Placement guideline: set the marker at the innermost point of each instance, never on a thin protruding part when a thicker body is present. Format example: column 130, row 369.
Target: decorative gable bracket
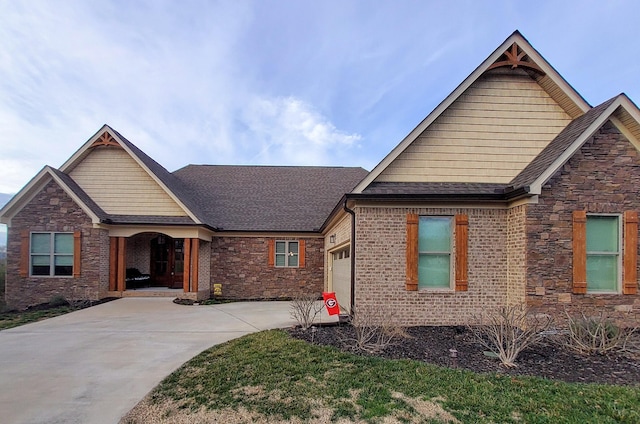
column 514, row 57
column 105, row 140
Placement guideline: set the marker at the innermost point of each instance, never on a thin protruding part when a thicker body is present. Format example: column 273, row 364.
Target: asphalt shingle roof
column 433, row 188
column 267, row 198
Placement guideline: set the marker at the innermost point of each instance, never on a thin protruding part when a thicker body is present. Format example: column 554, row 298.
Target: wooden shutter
column 579, row 252
column 272, row 253
column 412, row 252
column 462, row 247
column 630, row 284
column 301, row 254
column 77, row 257
column 24, row 253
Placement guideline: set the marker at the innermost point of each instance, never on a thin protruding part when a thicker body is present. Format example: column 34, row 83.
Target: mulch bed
column 549, row 360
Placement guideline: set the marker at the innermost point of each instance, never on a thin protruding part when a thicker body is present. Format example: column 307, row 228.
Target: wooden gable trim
column 514, row 57
column 411, row 283
column 579, row 252
column 105, row 140
column 630, row 254
column 462, row 248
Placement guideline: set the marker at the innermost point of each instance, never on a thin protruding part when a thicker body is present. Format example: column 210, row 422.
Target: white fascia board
column 517, row 38
column 536, row 187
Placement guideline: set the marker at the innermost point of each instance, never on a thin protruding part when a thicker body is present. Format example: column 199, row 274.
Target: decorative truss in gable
column 515, row 57
column 105, row 140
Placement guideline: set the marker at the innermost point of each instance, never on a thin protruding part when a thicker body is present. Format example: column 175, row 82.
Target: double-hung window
column 603, row 253
column 287, row 254
column 434, row 252
column 51, row 254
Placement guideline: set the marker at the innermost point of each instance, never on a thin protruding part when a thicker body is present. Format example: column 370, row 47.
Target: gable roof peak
column 551, row 81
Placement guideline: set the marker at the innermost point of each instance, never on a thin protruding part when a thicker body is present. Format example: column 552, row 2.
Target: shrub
column 596, row 334
column 375, row 329
column 508, row 330
column 305, row 308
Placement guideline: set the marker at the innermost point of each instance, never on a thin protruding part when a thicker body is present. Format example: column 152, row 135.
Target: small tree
column 375, row 329
column 508, row 330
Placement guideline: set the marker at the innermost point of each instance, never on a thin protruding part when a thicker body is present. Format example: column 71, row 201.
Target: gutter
column 353, row 257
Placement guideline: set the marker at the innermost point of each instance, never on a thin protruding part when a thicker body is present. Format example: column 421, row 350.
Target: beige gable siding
column 120, row 186
column 489, row 134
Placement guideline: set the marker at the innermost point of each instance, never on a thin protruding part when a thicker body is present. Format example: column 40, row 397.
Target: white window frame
column 619, row 264
column 287, row 253
column 450, row 287
column 52, row 254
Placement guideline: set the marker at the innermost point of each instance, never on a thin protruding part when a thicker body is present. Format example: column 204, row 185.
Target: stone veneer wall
column 240, row 264
column 204, row 270
column 381, row 263
column 603, row 177
column 53, row 210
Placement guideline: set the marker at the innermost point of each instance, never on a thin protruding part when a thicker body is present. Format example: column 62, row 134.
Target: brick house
column 514, row 189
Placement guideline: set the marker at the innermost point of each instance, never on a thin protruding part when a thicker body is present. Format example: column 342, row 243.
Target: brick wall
column 516, row 254
column 240, row 264
column 381, row 262
column 53, row 210
column 603, row 177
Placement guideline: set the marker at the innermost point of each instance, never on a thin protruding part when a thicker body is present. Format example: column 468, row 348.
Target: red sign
column 331, row 303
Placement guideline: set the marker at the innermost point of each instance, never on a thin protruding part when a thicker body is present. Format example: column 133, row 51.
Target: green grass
column 279, row 377
column 14, row 319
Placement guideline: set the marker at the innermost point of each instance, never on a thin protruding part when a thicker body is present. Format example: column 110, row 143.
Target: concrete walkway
column 94, row 365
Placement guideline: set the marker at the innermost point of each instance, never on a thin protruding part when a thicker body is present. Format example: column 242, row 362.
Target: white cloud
column 289, row 131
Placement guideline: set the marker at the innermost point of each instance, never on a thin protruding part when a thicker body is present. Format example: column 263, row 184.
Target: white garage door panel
column 342, row 282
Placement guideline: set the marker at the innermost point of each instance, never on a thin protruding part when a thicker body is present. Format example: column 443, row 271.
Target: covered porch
column 159, row 262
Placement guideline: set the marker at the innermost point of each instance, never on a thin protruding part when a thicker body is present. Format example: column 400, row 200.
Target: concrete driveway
column 94, row 365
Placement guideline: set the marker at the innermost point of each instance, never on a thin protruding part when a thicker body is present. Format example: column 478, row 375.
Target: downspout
column 353, row 257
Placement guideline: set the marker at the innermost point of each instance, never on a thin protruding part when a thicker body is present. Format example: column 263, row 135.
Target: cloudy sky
column 287, row 82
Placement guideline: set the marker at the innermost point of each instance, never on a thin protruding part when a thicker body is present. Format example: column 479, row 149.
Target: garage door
column 341, row 278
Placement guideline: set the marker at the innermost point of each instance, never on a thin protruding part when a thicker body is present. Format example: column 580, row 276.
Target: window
column 434, row 252
column 287, row 254
column 51, row 254
column 603, row 253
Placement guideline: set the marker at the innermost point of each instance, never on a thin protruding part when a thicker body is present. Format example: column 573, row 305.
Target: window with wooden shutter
column 462, row 236
column 579, row 252
column 412, row 252
column 630, row 282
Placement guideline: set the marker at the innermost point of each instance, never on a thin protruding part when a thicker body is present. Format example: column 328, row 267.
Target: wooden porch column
column 194, row 268
column 187, row 265
column 113, row 263
column 121, row 263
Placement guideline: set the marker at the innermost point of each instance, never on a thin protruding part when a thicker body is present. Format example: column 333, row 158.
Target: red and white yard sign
column 331, row 303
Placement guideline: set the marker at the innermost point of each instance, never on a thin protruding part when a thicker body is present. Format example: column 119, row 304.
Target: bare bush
column 596, row 334
column 508, row 330
column 375, row 329
column 305, row 308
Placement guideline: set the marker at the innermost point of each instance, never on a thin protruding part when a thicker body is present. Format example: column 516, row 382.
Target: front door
column 167, row 261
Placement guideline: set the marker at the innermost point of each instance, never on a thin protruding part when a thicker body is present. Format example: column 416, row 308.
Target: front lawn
column 10, row 319
column 270, row 377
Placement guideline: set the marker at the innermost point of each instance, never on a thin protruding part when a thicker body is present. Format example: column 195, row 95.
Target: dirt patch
column 549, row 360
